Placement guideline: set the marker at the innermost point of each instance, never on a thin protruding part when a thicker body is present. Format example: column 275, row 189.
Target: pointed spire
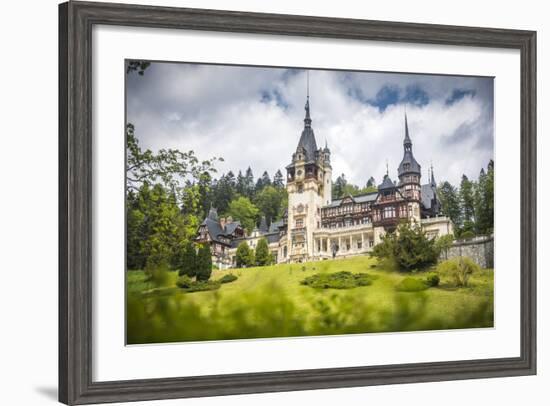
column 407, row 141
column 387, row 168
column 307, row 120
column 432, row 178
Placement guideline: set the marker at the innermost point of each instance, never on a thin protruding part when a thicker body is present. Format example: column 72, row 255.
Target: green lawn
column 271, row 302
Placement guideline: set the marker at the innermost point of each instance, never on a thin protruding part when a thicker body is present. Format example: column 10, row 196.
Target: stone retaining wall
column 479, row 249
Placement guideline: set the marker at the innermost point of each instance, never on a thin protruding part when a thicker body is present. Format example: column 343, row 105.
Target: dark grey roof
column 215, row 230
column 213, row 227
column 408, row 157
column 263, row 225
column 275, row 225
column 427, row 193
column 230, row 228
column 307, row 139
column 386, row 183
column 369, row 197
column 272, row 237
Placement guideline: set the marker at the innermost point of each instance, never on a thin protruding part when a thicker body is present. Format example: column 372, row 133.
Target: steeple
column 307, row 139
column 307, row 120
column 408, row 163
column 432, row 178
column 407, row 143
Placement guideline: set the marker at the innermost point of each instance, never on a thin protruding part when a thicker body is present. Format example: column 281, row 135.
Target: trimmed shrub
column 184, row 282
column 467, row 235
column 188, row 285
column 200, row 286
column 410, row 284
column 459, row 269
column 338, row 280
column 228, row 278
column 432, row 279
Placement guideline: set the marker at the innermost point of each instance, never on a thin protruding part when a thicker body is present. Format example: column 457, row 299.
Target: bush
column 228, row 278
column 410, row 284
column 200, row 286
column 459, row 269
column 338, row 280
column 188, row 285
column 432, row 279
column 184, row 282
column 467, row 235
column 407, row 249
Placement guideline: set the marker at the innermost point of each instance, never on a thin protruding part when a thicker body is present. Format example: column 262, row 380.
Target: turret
column 409, row 169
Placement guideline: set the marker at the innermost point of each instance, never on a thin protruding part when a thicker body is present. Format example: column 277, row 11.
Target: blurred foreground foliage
column 270, row 310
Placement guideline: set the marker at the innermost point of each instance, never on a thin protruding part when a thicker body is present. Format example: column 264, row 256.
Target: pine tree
column 371, row 182
column 240, row 186
column 450, row 203
column 204, row 263
column 467, row 203
column 278, row 180
column 262, row 255
column 339, row 187
column 249, row 183
column 187, row 260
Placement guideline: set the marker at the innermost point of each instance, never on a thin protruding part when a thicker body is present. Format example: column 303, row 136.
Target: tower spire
column 407, row 143
column 307, row 120
column 432, row 178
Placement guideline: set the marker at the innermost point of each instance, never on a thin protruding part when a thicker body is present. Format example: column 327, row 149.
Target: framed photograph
column 259, row 202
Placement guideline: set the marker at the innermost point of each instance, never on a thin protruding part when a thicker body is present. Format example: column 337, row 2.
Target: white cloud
column 254, row 117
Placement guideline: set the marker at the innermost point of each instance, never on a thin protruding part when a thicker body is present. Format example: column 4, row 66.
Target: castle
column 316, row 227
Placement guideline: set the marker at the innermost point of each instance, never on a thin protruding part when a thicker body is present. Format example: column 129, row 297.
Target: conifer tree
column 263, row 256
column 204, row 263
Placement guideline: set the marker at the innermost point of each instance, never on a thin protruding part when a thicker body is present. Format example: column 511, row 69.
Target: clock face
column 300, row 208
column 299, row 172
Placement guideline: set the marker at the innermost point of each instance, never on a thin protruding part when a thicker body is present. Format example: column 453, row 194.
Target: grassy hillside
column 271, row 302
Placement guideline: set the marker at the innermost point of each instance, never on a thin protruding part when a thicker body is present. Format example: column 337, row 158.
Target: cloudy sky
column 253, row 117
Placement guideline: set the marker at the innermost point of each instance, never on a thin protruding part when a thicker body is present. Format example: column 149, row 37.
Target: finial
column 307, row 73
column 387, row 168
column 326, row 143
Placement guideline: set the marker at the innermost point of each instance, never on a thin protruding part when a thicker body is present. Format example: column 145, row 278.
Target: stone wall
column 480, row 249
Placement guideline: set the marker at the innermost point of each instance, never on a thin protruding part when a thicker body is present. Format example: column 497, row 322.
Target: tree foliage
column 245, row 211
column 187, row 260
column 244, row 256
column 407, row 249
column 204, row 263
column 471, row 207
column 263, row 256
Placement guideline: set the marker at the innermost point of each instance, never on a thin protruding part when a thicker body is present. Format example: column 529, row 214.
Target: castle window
column 299, row 223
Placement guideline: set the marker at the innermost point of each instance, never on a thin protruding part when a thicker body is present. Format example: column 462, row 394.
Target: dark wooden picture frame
column 76, row 20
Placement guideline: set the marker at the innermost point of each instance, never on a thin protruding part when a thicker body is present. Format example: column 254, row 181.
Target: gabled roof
column 386, row 183
column 368, row 197
column 215, row 230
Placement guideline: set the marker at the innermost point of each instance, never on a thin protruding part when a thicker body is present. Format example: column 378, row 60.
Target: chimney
column 222, row 222
column 229, row 220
